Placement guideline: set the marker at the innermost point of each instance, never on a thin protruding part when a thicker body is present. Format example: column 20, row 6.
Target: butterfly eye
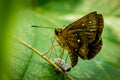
column 56, row 32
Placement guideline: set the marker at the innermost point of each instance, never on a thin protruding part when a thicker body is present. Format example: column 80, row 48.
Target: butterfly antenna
column 42, row 27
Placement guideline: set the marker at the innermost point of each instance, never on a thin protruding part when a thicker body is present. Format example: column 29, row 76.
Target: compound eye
column 56, row 32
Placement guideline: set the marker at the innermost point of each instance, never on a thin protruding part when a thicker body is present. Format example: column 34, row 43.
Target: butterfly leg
column 52, row 41
column 66, row 58
column 62, row 52
column 52, row 48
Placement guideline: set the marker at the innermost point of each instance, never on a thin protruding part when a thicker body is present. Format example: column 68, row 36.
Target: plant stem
column 43, row 56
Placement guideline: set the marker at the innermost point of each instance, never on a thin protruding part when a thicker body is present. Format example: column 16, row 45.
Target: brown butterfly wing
column 90, row 27
column 75, row 46
column 88, row 23
column 70, row 41
column 96, row 45
column 94, row 49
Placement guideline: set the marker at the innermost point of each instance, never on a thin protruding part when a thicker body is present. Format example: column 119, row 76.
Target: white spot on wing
column 78, row 40
column 76, row 34
column 90, row 22
column 76, row 50
column 83, row 24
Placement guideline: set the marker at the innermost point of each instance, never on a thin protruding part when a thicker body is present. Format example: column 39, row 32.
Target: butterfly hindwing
column 96, row 45
column 94, row 49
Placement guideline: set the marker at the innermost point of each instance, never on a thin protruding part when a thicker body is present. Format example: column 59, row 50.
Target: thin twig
column 43, row 56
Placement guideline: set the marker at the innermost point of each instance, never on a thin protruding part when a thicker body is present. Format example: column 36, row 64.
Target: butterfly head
column 58, row 31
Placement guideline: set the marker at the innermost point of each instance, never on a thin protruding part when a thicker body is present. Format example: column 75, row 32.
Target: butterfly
column 82, row 38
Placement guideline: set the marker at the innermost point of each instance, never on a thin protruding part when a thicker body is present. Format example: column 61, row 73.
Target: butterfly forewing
column 88, row 23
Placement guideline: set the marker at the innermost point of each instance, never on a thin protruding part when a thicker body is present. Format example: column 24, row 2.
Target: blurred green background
column 20, row 63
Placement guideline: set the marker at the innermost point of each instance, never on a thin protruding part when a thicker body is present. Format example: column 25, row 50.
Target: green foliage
column 24, row 64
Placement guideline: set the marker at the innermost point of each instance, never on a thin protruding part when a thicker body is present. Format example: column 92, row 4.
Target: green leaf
column 27, row 65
